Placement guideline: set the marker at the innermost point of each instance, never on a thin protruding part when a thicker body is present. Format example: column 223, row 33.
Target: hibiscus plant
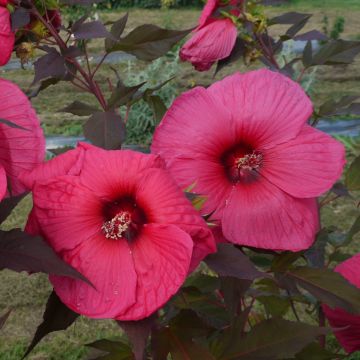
column 208, row 245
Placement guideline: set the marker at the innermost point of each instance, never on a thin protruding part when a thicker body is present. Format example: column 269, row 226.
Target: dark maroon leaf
column 105, row 129
column 158, row 107
column 11, row 124
column 237, row 52
column 80, row 2
column 355, row 228
column 273, row 339
column 90, row 30
column 72, row 52
column 149, row 42
column 289, row 18
column 288, row 69
column 42, row 85
column 337, row 52
column 229, row 261
column 116, row 31
column 138, row 333
column 328, row 287
column 340, row 189
column 352, row 176
column 3, row 318
column 311, row 35
column 294, row 29
column 51, row 65
column 315, row 255
column 233, row 290
column 332, row 107
column 284, row 260
column 122, row 95
column 56, row 317
column 19, row 18
column 80, row 109
column 115, row 350
column 22, row 252
column 315, row 351
column 8, row 204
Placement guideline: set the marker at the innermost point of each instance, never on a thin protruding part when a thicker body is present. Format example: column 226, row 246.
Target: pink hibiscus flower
column 119, row 219
column 20, row 148
column 245, row 144
column 215, row 36
column 349, row 336
column 7, row 37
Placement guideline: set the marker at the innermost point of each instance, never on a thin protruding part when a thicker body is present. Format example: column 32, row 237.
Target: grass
column 26, row 295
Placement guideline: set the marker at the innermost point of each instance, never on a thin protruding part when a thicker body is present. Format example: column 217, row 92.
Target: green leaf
column 149, row 42
column 352, row 176
column 116, row 350
column 273, row 339
column 79, row 108
column 328, row 287
column 56, row 317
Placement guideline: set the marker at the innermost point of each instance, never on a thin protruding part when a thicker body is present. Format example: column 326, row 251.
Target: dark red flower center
column 241, row 163
column 123, row 219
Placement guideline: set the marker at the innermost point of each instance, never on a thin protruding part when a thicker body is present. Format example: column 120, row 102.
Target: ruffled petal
column 268, row 108
column 67, row 213
column 306, row 166
column 164, row 203
column 349, row 335
column 258, row 214
column 7, row 37
column 3, row 183
column 162, row 257
column 109, row 265
column 209, row 44
column 207, row 11
column 19, row 149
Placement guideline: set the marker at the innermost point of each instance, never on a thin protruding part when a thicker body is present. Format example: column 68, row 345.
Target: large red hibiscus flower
column 119, row 219
column 246, row 145
column 22, row 144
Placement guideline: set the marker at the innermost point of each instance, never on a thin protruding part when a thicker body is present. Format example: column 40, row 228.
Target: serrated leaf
column 352, row 176
column 149, row 42
column 90, row 30
column 138, row 333
column 22, row 252
column 229, row 261
column 328, row 287
column 116, row 31
column 273, row 339
column 106, row 130
column 56, row 317
column 79, row 108
column 115, row 350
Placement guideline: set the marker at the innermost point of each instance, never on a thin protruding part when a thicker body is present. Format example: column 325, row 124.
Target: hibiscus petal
column 165, row 203
column 19, row 149
column 3, row 183
column 306, row 166
column 161, row 256
column 109, row 265
column 67, row 213
column 196, row 126
column 101, row 170
column 259, row 214
column 7, row 37
column 268, row 108
column 349, row 336
column 207, row 11
column 209, row 44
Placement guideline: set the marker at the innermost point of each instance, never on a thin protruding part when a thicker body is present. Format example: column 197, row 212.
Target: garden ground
column 26, row 295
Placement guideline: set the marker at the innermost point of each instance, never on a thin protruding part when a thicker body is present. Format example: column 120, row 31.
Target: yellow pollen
column 249, row 161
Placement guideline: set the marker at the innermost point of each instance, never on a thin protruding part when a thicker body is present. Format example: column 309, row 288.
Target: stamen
column 250, row 161
column 117, row 226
